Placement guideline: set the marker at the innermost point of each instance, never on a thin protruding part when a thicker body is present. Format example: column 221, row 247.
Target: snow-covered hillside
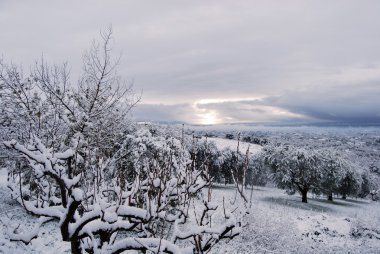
column 223, row 143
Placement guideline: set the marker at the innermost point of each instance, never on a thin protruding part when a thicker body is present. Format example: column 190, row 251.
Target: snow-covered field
column 279, row 223
column 222, row 143
column 276, row 223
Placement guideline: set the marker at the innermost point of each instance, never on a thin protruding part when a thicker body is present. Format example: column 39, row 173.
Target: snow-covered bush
column 148, row 213
column 206, row 155
column 227, row 161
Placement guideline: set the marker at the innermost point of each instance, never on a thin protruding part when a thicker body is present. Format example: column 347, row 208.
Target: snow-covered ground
column 13, row 218
column 276, row 223
column 3, row 176
column 223, row 143
column 279, row 223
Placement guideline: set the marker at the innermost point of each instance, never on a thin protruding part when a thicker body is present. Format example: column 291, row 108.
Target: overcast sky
column 208, row 62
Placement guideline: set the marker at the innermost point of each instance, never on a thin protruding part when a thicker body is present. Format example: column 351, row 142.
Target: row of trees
column 78, row 160
column 224, row 164
column 324, row 171
column 297, row 169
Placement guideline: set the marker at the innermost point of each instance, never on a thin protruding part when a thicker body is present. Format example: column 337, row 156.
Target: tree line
column 324, row 171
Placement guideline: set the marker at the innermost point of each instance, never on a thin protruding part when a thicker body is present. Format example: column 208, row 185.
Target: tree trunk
column 68, row 218
column 75, row 247
column 330, row 197
column 304, row 195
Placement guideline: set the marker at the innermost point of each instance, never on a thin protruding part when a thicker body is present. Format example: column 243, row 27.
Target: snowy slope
column 222, row 143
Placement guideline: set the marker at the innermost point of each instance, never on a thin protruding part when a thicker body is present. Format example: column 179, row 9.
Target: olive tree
column 294, row 169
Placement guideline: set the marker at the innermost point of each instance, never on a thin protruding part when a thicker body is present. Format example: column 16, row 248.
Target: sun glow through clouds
column 217, row 111
column 210, row 116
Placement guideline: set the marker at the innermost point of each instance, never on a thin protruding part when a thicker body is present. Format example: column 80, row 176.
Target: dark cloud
column 357, row 103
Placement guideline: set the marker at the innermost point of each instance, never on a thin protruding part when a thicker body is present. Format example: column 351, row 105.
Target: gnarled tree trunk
column 304, row 195
column 330, row 197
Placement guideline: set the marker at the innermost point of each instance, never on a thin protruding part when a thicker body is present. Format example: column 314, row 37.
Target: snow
column 130, row 211
column 279, row 223
column 153, row 244
column 26, row 237
column 156, row 182
column 77, row 194
column 68, row 153
column 276, row 223
column 324, row 224
column 231, row 144
column 3, row 176
column 110, row 217
column 15, row 220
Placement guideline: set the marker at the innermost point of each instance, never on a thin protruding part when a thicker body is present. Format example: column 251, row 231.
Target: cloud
column 163, row 113
column 356, row 103
column 215, row 113
column 309, row 60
